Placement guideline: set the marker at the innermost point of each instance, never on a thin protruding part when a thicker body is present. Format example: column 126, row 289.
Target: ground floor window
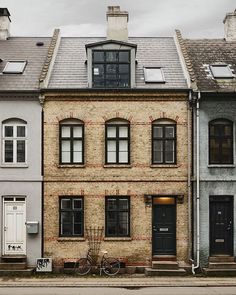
column 71, row 216
column 117, row 216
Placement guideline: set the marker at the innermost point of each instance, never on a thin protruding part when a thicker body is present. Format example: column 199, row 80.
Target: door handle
column 5, row 228
column 154, row 228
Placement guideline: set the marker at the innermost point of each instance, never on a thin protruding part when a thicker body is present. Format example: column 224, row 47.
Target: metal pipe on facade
column 197, row 187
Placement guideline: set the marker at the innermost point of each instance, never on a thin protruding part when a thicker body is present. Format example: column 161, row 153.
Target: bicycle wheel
column 82, row 266
column 111, row 266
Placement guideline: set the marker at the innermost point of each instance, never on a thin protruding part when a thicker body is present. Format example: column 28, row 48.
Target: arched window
column 71, row 142
column 163, row 142
column 14, row 141
column 221, row 141
column 117, row 142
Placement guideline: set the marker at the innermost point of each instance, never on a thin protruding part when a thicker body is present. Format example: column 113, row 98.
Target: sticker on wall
column 219, row 212
column 96, row 71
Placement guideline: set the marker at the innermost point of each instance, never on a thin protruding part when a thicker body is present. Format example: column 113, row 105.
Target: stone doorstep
column 222, row 265
column 17, row 272
column 221, row 258
column 165, row 272
column 165, row 265
column 219, row 272
column 13, row 266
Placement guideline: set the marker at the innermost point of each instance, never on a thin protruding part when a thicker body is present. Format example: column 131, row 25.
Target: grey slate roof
column 23, row 48
column 205, row 52
column 70, row 70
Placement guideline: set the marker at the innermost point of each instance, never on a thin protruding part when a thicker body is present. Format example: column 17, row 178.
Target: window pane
column 111, row 204
column 111, row 56
column 111, row 69
column 123, row 204
column 123, row 145
column 124, row 69
column 65, row 203
column 20, row 131
column 77, row 204
column 8, row 131
column 65, row 155
column 169, row 132
column 123, row 226
column 66, row 217
column 111, row 131
column 124, row 80
column 98, row 56
column 77, row 131
column 214, row 151
column 157, row 131
column 66, row 229
column 169, row 157
column 123, row 131
column 65, row 145
column 111, row 217
column 169, row 145
column 77, row 217
column 124, row 56
column 221, row 71
column 77, row 157
column 158, row 145
column 226, row 151
column 65, row 131
column 14, row 67
column 111, row 229
column 111, row 157
column 20, row 151
column 111, row 146
column 9, row 151
column 98, row 71
column 158, row 152
column 123, row 157
column 228, row 130
column 78, row 229
column 77, row 145
column 153, row 75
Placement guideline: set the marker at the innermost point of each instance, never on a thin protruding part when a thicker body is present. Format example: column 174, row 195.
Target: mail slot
column 163, row 229
column 219, row 240
column 32, row 227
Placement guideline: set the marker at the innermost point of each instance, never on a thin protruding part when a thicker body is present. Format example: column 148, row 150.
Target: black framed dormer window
column 163, row 143
column 111, row 68
column 71, row 143
column 221, row 141
column 117, row 146
column 117, row 216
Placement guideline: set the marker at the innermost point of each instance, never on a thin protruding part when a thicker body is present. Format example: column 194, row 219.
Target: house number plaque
column 164, row 229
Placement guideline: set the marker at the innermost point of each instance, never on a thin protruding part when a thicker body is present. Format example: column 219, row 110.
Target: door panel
column 221, row 226
column 164, row 229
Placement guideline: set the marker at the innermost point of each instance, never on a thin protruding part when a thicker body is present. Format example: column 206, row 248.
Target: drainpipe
column 198, row 186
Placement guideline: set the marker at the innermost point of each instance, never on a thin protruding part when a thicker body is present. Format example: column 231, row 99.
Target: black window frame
column 221, row 138
column 71, row 139
column 105, row 62
column 71, row 198
column 117, row 198
column 117, row 139
column 163, row 139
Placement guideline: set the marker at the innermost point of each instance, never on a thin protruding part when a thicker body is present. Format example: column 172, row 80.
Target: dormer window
column 221, row 71
column 111, row 68
column 14, row 67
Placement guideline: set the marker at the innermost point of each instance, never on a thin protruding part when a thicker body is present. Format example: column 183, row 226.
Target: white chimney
column 230, row 26
column 117, row 24
column 4, row 24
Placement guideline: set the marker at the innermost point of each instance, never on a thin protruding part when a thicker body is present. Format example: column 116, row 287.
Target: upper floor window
column 163, row 142
column 111, row 68
column 71, row 216
column 14, row 141
column 14, row 67
column 154, row 75
column 221, row 142
column 117, row 142
column 71, row 142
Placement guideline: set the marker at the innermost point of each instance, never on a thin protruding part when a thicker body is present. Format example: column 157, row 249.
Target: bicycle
column 109, row 265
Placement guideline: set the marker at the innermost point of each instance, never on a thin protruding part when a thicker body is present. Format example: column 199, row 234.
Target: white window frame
column 14, row 138
column 23, row 62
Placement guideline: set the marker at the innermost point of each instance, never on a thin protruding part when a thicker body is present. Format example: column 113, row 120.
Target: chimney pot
column 230, row 26
column 4, row 23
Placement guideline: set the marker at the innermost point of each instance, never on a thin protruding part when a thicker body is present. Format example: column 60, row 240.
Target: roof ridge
column 186, row 56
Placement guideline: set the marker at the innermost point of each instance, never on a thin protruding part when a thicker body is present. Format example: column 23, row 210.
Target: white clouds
column 83, row 30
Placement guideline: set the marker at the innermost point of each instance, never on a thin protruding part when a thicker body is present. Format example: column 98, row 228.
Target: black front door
column 221, row 226
column 164, row 226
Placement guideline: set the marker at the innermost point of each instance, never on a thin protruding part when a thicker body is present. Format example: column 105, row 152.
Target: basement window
column 14, row 67
column 221, row 71
column 154, row 75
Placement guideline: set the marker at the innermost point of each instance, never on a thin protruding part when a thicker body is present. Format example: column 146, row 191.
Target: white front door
column 14, row 227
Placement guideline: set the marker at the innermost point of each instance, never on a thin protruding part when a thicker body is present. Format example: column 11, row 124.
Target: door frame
column 221, row 198
column 15, row 200
column 175, row 205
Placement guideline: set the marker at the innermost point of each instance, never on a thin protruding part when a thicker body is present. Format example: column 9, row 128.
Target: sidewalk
column 119, row 281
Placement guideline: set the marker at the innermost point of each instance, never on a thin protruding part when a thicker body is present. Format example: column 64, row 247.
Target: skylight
column 14, row 67
column 221, row 71
column 153, row 75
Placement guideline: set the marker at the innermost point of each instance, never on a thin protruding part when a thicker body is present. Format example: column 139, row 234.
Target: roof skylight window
column 14, row 67
column 153, row 75
column 221, row 71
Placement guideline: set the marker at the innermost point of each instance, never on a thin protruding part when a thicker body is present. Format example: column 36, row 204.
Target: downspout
column 197, row 187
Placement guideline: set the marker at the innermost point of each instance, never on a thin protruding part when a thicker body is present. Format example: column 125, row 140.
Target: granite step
column 219, row 272
column 165, row 272
column 221, row 259
column 165, row 265
column 222, row 265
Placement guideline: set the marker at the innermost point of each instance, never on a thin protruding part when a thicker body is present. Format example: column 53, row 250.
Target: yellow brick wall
column 94, row 181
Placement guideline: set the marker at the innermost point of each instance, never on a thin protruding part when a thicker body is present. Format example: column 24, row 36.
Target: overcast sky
column 195, row 18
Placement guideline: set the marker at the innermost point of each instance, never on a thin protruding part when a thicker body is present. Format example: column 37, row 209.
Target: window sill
column 117, row 166
column 124, row 239
column 70, row 239
column 164, row 166
column 221, row 166
column 14, row 165
column 71, row 166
